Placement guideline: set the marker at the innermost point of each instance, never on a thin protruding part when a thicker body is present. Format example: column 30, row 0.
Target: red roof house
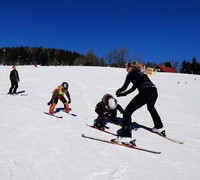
column 165, row 69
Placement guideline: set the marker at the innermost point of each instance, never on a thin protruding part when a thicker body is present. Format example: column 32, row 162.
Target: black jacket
column 101, row 108
column 14, row 76
column 139, row 80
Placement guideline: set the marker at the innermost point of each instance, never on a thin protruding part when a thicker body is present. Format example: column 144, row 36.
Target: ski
column 62, row 110
column 53, row 115
column 70, row 113
column 162, row 134
column 102, row 130
column 15, row 94
column 22, row 94
column 124, row 145
column 19, row 92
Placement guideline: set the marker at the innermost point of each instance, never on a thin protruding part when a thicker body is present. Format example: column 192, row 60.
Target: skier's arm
column 101, row 110
column 11, row 75
column 124, row 87
column 54, row 95
column 68, row 96
column 133, row 88
column 18, row 76
column 120, row 109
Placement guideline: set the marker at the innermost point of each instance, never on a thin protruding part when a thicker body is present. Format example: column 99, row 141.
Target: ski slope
column 35, row 146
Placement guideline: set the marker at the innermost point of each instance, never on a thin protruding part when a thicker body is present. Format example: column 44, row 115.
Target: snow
column 35, row 146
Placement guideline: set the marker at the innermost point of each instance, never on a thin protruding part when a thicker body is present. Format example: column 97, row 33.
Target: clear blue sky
column 155, row 30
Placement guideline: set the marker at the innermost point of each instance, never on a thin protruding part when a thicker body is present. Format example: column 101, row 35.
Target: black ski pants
column 63, row 100
column 14, row 86
column 110, row 114
column 146, row 96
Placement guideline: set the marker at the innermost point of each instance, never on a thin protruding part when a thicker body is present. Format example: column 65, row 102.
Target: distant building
column 165, row 69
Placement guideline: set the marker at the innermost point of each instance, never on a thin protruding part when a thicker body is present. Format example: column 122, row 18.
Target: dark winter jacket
column 139, row 80
column 102, row 107
column 14, row 76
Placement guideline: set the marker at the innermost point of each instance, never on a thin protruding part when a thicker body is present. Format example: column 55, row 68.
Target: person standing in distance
column 147, row 95
column 14, row 79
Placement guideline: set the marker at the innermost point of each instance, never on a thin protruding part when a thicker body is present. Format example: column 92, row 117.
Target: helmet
column 112, row 103
column 65, row 85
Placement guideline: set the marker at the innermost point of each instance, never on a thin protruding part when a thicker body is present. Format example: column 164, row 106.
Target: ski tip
column 53, row 115
column 89, row 125
column 157, row 152
column 178, row 142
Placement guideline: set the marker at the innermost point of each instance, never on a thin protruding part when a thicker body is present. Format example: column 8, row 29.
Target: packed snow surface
column 35, row 146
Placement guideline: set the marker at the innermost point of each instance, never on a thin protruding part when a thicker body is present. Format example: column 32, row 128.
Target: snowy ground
column 35, row 146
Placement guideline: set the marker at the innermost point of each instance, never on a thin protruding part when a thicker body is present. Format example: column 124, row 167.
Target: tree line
column 190, row 67
column 116, row 58
column 37, row 55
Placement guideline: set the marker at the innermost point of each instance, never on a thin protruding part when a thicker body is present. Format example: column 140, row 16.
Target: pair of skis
column 19, row 93
column 116, row 143
column 53, row 115
column 56, row 116
column 162, row 134
column 128, row 145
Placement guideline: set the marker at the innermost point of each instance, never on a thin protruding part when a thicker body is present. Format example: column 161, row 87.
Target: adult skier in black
column 14, row 78
column 147, row 95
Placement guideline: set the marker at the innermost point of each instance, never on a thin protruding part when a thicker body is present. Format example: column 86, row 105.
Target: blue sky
column 155, row 30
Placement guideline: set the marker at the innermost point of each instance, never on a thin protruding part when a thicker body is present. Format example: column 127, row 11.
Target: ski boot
column 159, row 131
column 124, row 140
column 98, row 126
column 51, row 112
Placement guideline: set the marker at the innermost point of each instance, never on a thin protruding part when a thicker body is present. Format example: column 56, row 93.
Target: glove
column 69, row 101
column 117, row 92
column 49, row 103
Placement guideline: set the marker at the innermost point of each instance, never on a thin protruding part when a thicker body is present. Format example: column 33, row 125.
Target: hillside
column 35, row 146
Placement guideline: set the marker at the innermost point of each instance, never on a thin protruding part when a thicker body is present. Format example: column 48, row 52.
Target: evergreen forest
column 116, row 58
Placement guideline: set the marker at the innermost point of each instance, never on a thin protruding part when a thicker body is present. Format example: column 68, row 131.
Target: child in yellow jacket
column 58, row 93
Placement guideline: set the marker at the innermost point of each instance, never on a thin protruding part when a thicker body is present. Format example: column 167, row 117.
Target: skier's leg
column 53, row 105
column 113, row 116
column 66, row 105
column 98, row 123
column 152, row 97
column 15, row 87
column 137, row 102
column 11, row 88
